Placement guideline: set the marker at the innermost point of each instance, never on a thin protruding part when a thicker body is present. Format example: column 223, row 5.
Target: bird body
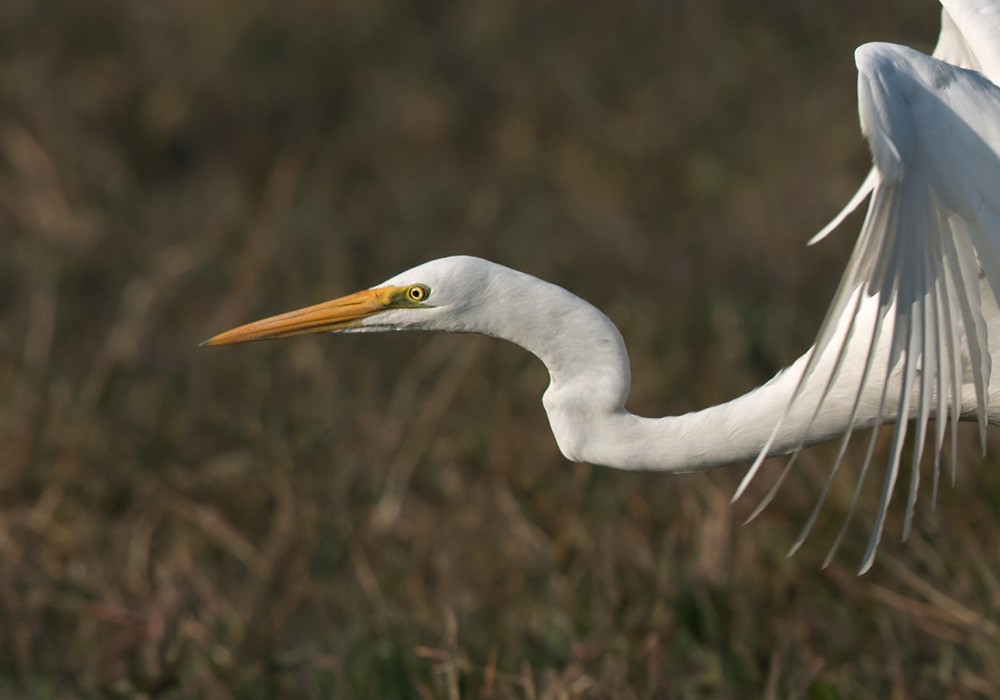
column 910, row 335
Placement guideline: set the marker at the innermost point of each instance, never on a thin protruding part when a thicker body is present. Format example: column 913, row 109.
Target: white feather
column 910, row 334
column 933, row 223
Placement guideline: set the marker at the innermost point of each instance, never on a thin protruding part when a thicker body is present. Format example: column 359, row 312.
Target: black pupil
column 417, row 293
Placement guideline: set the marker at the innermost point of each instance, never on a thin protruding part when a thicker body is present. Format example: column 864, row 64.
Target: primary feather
column 932, row 233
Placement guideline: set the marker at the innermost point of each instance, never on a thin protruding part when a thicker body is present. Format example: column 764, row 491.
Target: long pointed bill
column 346, row 312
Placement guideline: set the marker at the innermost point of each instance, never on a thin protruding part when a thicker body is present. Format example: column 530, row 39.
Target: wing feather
column 932, row 228
column 971, row 43
column 969, row 31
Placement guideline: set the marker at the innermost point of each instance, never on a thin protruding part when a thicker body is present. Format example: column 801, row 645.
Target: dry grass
column 389, row 517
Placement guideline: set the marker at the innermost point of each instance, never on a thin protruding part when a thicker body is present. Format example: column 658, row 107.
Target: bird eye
column 417, row 292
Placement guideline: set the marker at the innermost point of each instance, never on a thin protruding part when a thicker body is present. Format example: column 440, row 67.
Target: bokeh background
column 389, row 517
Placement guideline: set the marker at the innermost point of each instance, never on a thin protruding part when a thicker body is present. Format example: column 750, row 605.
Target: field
column 389, row 517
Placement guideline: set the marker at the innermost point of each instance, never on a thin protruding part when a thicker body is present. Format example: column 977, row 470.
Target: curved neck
column 589, row 371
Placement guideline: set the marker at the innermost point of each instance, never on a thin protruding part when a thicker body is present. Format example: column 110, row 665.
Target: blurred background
column 389, row 517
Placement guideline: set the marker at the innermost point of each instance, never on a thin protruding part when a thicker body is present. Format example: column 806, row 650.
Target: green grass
column 390, row 517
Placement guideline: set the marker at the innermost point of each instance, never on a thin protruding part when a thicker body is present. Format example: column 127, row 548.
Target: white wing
column 933, row 226
column 969, row 38
column 952, row 46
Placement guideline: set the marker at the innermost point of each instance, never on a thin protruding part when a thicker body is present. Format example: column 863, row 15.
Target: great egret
column 910, row 334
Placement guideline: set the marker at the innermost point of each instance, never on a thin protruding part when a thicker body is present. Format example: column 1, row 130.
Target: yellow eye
column 417, row 293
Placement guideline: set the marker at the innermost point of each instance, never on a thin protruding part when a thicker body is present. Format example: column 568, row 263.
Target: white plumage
column 910, row 335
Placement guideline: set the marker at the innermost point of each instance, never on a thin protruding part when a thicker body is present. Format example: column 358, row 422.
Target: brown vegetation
column 390, row 517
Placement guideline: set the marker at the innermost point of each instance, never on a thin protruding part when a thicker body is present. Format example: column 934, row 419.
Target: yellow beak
column 345, row 312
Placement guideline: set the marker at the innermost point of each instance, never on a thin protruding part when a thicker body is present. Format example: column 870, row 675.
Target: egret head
column 442, row 294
